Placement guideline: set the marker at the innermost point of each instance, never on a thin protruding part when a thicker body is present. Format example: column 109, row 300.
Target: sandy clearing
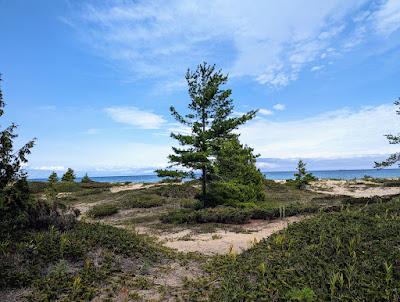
column 357, row 188
column 222, row 241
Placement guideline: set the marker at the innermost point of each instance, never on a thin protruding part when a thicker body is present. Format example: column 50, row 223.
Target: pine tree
column 86, row 179
column 210, row 120
column 68, row 176
column 14, row 189
column 302, row 177
column 236, row 177
column 53, row 178
column 393, row 140
column 11, row 161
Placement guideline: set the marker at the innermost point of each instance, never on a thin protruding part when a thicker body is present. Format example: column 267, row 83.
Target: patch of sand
column 222, row 241
column 359, row 188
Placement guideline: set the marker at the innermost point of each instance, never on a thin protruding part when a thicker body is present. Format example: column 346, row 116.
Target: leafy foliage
column 393, row 139
column 69, row 176
column 235, row 177
column 14, row 190
column 102, row 210
column 350, row 255
column 71, row 265
column 208, row 215
column 210, row 121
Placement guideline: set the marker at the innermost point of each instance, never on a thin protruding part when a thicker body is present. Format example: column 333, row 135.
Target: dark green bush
column 102, row 210
column 191, row 204
column 227, row 192
column 137, row 200
column 208, row 215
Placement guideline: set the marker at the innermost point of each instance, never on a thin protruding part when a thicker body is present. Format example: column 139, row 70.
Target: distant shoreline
column 275, row 175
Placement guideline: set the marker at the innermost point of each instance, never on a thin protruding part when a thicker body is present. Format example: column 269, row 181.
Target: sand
column 223, row 241
column 357, row 188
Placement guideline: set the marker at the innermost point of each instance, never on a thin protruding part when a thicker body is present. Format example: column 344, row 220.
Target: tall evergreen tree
column 53, row 178
column 69, row 175
column 210, row 120
column 393, row 140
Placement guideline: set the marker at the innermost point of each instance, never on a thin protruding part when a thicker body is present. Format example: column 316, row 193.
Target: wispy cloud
column 333, row 134
column 49, row 168
column 272, row 42
column 388, row 17
column 265, row 112
column 135, row 117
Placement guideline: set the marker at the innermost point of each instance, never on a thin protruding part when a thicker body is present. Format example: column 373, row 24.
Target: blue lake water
column 335, row 174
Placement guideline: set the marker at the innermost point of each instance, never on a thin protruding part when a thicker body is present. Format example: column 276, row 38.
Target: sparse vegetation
column 351, row 255
column 102, row 210
column 69, row 176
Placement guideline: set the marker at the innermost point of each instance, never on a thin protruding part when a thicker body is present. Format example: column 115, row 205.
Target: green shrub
column 191, row 204
column 137, row 200
column 228, row 192
column 37, row 186
column 102, row 210
column 184, row 190
column 350, row 255
column 208, row 215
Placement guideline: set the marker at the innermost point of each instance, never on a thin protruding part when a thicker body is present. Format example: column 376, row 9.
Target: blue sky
column 93, row 80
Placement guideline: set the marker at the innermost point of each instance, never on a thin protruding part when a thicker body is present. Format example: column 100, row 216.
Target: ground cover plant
column 351, row 255
column 74, row 264
column 102, row 210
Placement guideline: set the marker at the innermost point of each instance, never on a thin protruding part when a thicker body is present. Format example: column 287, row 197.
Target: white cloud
column 50, row 168
column 135, row 117
column 279, row 107
column 265, row 112
column 316, row 67
column 387, row 18
column 270, row 41
column 333, row 134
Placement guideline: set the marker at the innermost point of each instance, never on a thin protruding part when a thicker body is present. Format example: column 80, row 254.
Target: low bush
column 102, row 210
column 69, row 265
column 191, row 204
column 37, row 186
column 208, row 215
column 137, row 200
column 352, row 255
column 184, row 190
column 227, row 192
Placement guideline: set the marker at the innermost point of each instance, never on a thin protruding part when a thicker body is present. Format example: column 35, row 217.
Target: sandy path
column 222, row 241
column 357, row 188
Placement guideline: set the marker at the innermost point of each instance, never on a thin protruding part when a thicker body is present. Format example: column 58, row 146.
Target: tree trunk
column 204, row 182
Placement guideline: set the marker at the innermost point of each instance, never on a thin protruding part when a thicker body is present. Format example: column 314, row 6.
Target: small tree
column 53, row 178
column 14, row 190
column 86, row 179
column 210, row 121
column 68, row 176
column 393, row 140
column 302, row 177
